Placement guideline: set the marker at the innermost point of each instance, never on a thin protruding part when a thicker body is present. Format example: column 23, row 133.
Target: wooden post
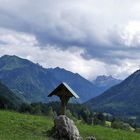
column 92, row 121
column 64, row 101
column 63, row 107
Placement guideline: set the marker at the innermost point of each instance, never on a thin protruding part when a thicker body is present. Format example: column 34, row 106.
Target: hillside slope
column 8, row 100
column 15, row 126
column 122, row 99
column 27, row 79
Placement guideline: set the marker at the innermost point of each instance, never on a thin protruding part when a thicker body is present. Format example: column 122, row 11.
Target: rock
column 91, row 138
column 66, row 129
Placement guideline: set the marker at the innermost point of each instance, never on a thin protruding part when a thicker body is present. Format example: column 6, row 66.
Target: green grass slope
column 104, row 133
column 15, row 126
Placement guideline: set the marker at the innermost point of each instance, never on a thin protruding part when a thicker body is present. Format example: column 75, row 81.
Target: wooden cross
column 64, row 92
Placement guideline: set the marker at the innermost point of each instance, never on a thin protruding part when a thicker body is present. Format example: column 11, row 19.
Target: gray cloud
column 107, row 30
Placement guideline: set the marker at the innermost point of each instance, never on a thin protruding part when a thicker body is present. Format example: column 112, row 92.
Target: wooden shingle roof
column 63, row 90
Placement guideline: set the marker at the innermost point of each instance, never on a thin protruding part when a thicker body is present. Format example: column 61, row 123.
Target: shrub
column 121, row 125
column 137, row 130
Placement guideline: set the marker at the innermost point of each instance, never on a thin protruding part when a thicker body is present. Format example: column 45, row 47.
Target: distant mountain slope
column 8, row 100
column 84, row 88
column 122, row 99
column 29, row 80
column 105, row 82
column 33, row 82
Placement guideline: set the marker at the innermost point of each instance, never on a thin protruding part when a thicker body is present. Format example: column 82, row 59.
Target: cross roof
column 63, row 90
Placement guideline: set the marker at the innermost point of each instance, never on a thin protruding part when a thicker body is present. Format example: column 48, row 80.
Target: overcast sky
column 89, row 37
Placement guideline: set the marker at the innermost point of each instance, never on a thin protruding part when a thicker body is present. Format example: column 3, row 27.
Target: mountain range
column 105, row 82
column 22, row 80
column 33, row 83
column 122, row 99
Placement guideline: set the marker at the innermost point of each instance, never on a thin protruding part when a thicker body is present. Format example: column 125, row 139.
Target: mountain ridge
column 105, row 82
column 122, row 99
column 34, row 82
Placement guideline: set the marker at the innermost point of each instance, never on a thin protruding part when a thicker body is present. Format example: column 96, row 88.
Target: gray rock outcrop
column 66, row 129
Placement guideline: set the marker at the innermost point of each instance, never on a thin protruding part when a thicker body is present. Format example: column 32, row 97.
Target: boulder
column 66, row 129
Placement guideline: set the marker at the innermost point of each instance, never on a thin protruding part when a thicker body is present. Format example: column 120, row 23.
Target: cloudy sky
column 89, row 37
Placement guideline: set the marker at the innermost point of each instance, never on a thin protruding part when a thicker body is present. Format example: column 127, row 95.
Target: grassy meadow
column 16, row 126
